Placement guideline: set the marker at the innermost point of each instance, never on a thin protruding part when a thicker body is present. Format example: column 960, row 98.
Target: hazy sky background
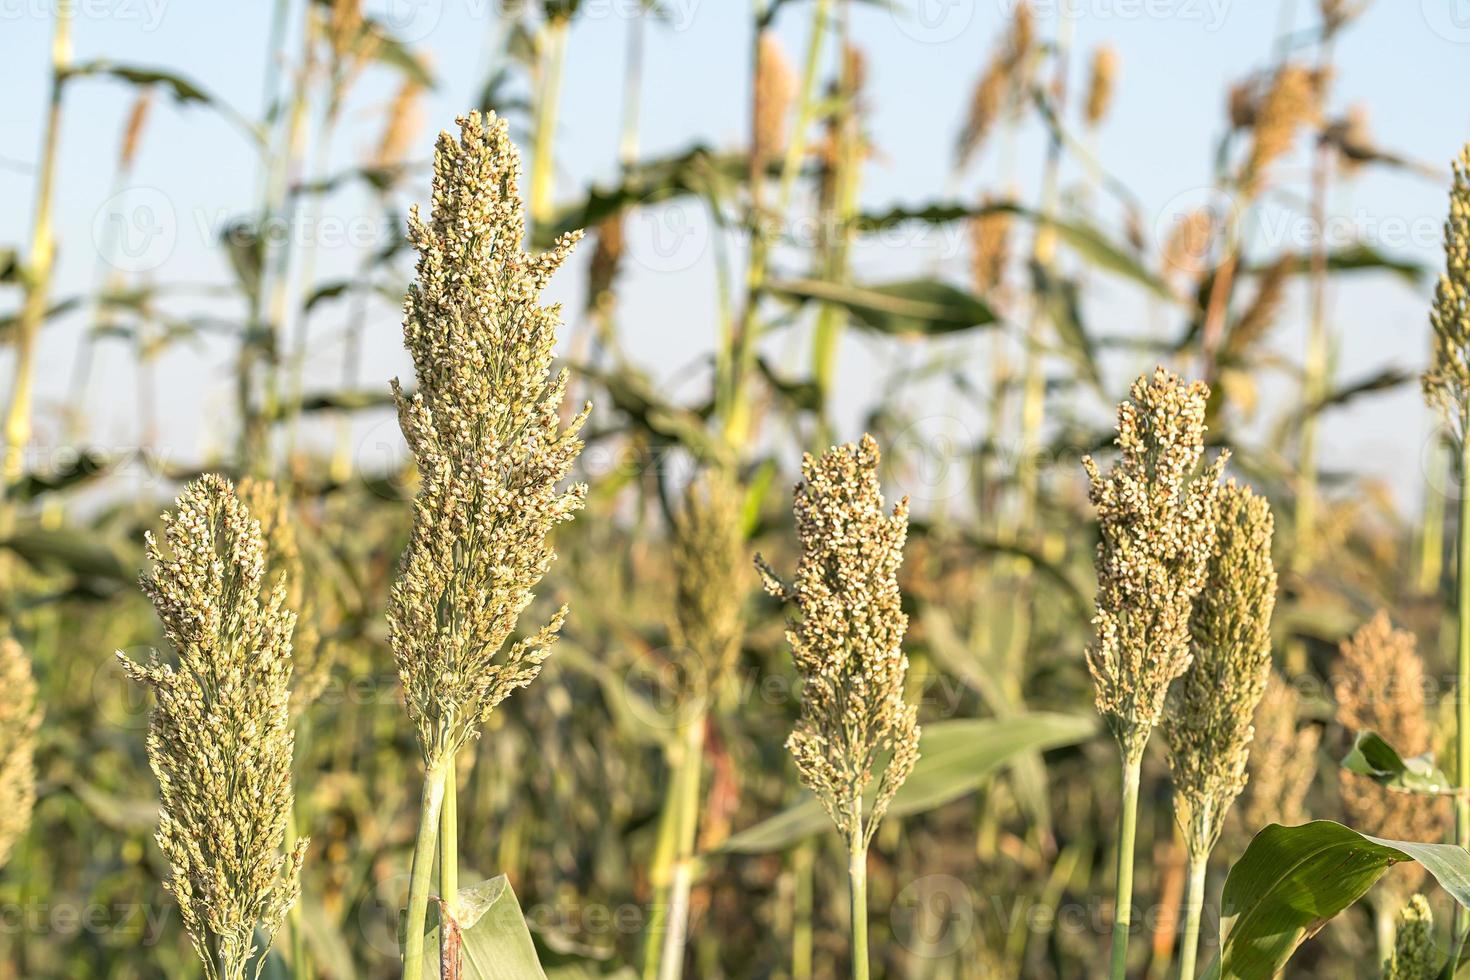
column 1407, row 62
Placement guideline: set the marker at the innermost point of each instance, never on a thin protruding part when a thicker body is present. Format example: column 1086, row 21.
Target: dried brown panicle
column 775, row 89
column 990, row 235
column 1157, row 520
column 1101, row 83
column 848, row 641
column 20, row 716
column 485, row 430
column 1208, row 727
column 1289, row 103
column 219, row 737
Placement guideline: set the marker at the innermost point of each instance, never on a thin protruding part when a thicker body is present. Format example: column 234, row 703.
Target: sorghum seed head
column 1414, row 956
column 219, row 737
column 485, row 430
column 709, row 568
column 1447, row 382
column 1157, row 521
column 848, row 640
column 20, row 716
column 1208, row 727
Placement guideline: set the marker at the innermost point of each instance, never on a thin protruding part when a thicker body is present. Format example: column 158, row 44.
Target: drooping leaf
column 955, row 757
column 1372, row 756
column 81, row 553
column 1090, row 243
column 184, row 90
column 1291, row 881
column 914, row 307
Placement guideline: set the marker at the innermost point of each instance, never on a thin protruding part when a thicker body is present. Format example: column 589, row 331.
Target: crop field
column 793, row 489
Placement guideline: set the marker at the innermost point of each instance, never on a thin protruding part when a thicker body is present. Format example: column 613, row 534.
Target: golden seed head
column 848, row 640
column 1209, row 726
column 1289, row 104
column 403, row 121
column 20, row 716
column 1379, row 686
column 1258, row 318
column 1101, row 83
column 1414, row 956
column 1157, row 521
column 1447, row 382
column 607, row 256
column 990, row 236
column 133, row 132
column 1006, row 75
column 485, row 429
column 775, row 90
column 709, row 567
column 219, row 737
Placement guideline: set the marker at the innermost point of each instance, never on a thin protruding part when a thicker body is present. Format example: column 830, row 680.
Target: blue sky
column 1407, row 62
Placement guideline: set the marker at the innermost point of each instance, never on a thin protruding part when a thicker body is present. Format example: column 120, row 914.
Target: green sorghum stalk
column 485, row 430
column 708, row 552
column 19, row 718
column 1208, row 727
column 1447, row 389
column 1157, row 521
column 848, row 648
column 219, row 737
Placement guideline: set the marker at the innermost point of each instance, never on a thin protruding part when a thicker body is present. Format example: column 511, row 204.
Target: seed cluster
column 219, row 738
column 485, row 430
column 1209, row 727
column 1379, row 686
column 1447, row 382
column 19, row 718
column 1414, row 956
column 1290, row 102
column 1157, row 522
column 709, row 564
column 310, row 656
column 847, row 643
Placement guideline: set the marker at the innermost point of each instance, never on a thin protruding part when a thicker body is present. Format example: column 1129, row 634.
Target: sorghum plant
column 1414, row 956
column 1157, row 521
column 847, row 645
column 708, row 550
column 1447, row 389
column 19, row 719
column 485, row 430
column 1209, row 728
column 219, row 737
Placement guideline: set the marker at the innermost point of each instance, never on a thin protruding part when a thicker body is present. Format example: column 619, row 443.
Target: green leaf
column 1373, row 757
column 184, row 90
column 1090, row 243
column 955, row 757
column 495, row 942
column 908, row 307
column 80, row 552
column 1292, row 880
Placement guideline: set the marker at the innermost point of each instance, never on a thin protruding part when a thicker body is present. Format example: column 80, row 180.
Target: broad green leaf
column 1373, row 757
column 495, row 942
column 1292, row 880
column 955, row 757
column 909, row 307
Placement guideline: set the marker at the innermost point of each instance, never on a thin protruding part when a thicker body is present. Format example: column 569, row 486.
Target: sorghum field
column 540, row 489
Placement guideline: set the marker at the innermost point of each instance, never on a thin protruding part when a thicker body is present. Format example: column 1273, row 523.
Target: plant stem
column 1123, row 896
column 1462, row 671
column 857, row 880
column 39, row 261
column 449, row 838
column 686, row 822
column 542, row 164
column 1194, row 904
column 805, row 106
column 423, row 866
